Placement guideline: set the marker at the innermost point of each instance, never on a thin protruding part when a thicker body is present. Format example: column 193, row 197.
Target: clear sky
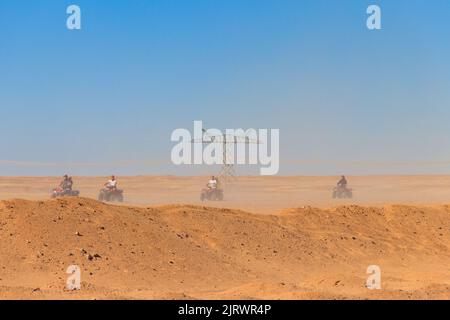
column 106, row 98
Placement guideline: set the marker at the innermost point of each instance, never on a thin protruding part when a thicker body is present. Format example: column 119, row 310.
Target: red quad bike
column 211, row 194
column 342, row 193
column 110, row 195
column 60, row 192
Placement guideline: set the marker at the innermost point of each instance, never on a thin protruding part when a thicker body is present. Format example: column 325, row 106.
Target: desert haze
column 272, row 238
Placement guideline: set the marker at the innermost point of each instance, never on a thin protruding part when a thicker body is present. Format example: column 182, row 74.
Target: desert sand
column 255, row 194
column 272, row 238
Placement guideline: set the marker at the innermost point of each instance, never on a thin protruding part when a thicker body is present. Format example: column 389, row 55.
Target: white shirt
column 212, row 183
column 112, row 183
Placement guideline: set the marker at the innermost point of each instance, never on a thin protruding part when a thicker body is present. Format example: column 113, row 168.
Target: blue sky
column 106, row 98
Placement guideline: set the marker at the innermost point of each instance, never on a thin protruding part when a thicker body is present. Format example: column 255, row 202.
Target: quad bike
column 110, row 195
column 342, row 193
column 211, row 194
column 60, row 192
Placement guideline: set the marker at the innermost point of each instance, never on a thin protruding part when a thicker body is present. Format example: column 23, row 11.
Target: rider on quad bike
column 212, row 183
column 341, row 190
column 111, row 192
column 212, row 191
column 67, row 183
column 342, row 183
column 111, row 185
column 65, row 188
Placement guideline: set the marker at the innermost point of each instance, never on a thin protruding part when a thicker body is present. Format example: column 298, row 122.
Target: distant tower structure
column 227, row 172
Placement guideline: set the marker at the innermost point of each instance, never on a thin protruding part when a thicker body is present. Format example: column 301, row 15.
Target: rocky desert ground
column 272, row 238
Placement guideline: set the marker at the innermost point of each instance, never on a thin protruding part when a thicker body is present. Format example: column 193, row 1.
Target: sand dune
column 198, row 252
